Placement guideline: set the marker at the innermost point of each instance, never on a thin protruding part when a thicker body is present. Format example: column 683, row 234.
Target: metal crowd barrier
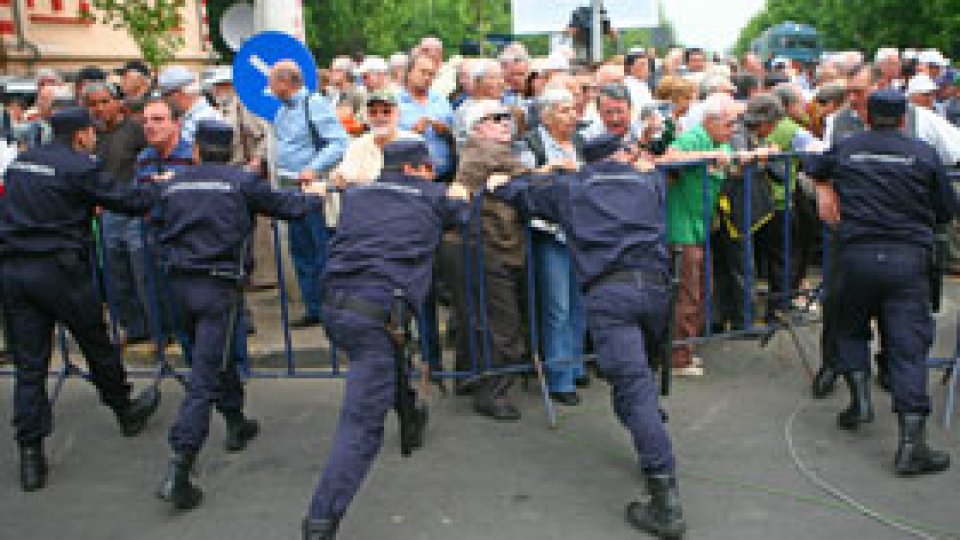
column 480, row 350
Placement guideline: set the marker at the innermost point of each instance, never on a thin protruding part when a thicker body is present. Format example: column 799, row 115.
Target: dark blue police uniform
column 892, row 191
column 46, row 248
column 614, row 217
column 204, row 219
column 385, row 241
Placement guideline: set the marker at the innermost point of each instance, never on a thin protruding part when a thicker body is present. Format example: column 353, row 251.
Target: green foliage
column 866, row 24
column 151, row 24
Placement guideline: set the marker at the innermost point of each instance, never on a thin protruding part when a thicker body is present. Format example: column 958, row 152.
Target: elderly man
column 887, row 63
column 136, row 80
column 363, row 160
column 310, row 141
column 486, row 79
column 428, row 113
column 487, row 151
column 516, row 67
column 343, row 93
column 688, row 225
column 398, row 64
column 552, row 144
column 922, row 91
column 374, row 72
column 119, row 141
column 771, row 125
column 180, row 87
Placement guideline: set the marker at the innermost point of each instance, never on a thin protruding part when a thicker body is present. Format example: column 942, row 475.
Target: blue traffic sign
column 252, row 64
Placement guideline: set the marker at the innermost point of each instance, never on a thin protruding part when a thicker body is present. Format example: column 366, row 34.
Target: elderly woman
column 679, row 93
column 552, row 146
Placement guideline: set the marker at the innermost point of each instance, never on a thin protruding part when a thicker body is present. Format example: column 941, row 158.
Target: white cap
column 886, row 52
column 556, row 62
column 931, row 56
column 398, row 59
column 481, row 109
column 342, row 63
column 373, row 63
column 174, row 78
column 780, row 61
column 220, row 75
column 920, row 84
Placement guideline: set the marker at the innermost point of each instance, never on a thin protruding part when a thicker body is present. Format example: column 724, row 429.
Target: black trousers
column 504, row 291
column 38, row 293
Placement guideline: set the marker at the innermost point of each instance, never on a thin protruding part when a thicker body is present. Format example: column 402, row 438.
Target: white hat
column 920, row 84
column 481, row 109
column 342, row 63
column 556, row 62
column 373, row 63
column 175, row 78
column 220, row 75
column 780, row 61
column 398, row 59
column 931, row 56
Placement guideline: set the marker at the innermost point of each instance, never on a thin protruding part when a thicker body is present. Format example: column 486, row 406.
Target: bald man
column 310, row 141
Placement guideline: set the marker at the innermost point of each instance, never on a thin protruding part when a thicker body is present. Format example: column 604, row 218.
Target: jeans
column 308, row 248
column 561, row 314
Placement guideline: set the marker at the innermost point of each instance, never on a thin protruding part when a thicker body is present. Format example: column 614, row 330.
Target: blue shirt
column 149, row 164
column 891, row 188
column 295, row 147
column 201, row 110
column 438, row 109
column 613, row 215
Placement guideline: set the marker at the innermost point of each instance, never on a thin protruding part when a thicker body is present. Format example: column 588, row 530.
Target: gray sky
column 712, row 24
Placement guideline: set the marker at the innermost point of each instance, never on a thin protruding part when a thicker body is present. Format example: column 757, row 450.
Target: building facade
column 55, row 33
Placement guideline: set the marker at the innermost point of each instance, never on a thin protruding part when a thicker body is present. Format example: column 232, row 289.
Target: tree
column 865, row 25
column 151, row 24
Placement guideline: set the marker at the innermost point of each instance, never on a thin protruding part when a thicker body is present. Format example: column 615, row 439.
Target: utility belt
column 344, row 301
column 67, row 258
column 637, row 275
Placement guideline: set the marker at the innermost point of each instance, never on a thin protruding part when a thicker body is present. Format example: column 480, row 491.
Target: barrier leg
column 156, row 317
column 534, row 338
column 707, row 257
column 284, row 311
column 66, row 369
column 99, row 261
column 748, row 270
column 471, row 318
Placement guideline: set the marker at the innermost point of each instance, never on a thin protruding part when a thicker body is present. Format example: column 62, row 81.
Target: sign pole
column 596, row 31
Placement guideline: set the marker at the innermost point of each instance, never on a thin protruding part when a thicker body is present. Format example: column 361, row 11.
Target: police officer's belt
column 635, row 275
column 206, row 272
column 365, row 308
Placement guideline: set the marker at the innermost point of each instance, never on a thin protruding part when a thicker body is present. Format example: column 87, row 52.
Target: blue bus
column 789, row 40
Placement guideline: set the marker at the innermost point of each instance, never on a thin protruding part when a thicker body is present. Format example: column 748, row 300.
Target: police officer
column 891, row 191
column 205, row 218
column 614, row 218
column 46, row 248
column 385, row 242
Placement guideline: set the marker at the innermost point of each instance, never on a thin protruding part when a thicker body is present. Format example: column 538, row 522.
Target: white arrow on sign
column 262, row 67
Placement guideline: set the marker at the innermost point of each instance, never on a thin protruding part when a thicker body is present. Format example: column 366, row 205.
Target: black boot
column 824, row 381
column 490, row 399
column 176, row 487
column 320, row 529
column 913, row 455
column 240, row 430
column 33, row 467
column 133, row 415
column 662, row 516
column 860, row 410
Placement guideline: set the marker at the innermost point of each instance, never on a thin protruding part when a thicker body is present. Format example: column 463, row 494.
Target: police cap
column 887, row 103
column 401, row 151
column 69, row 120
column 601, row 147
column 214, row 133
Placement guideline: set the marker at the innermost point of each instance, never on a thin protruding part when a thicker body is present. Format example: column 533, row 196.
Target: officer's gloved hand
column 496, row 181
column 315, row 188
column 458, row 191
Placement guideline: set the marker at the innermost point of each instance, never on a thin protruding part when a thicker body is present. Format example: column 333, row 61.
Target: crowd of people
column 376, row 124
column 508, row 114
